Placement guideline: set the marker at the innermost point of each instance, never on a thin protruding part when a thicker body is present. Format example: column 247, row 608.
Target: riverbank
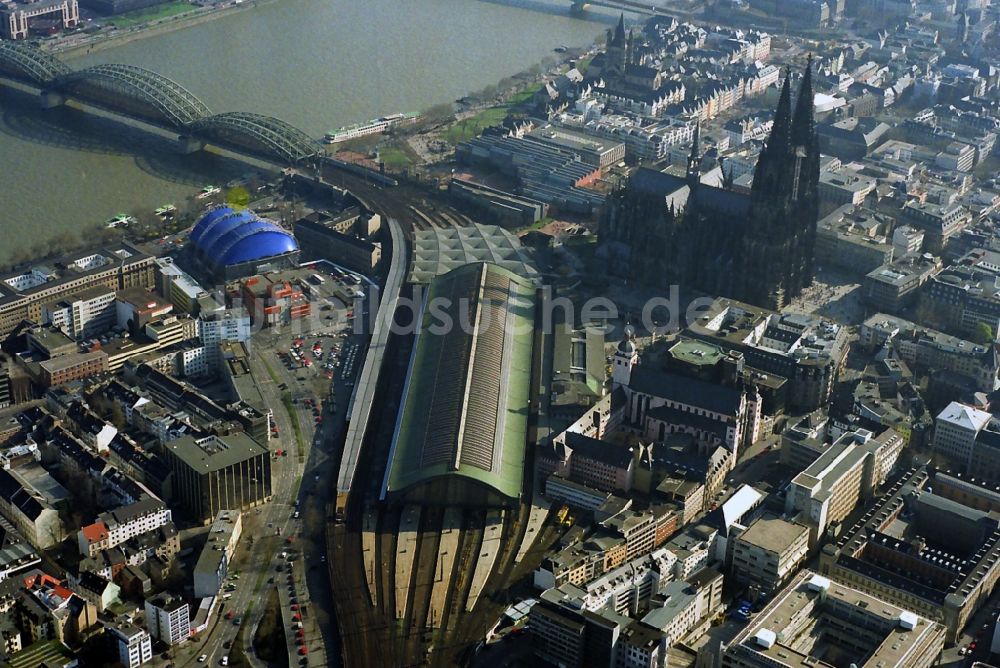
column 113, row 39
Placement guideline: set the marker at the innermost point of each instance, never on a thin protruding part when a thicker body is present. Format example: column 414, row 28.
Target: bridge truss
column 267, row 135
column 28, row 62
column 177, row 105
column 161, row 100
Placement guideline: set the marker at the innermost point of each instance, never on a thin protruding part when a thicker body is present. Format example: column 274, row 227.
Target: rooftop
column 773, row 534
column 801, row 626
column 440, row 250
column 213, row 453
column 467, row 394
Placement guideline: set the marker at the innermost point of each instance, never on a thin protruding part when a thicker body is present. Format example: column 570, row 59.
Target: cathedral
column 662, row 229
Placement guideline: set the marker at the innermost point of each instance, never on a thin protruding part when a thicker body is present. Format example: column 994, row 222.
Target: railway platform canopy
column 439, row 250
column 460, row 437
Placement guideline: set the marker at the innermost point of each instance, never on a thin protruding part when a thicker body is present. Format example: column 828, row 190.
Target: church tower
column 624, row 360
column 616, row 55
column 694, row 160
column 805, row 186
column 781, row 238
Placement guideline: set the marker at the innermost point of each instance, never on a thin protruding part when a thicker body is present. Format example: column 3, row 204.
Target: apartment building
column 133, row 643
column 168, row 619
column 112, row 528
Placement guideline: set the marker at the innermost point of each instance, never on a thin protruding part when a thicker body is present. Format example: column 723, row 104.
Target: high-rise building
column 87, row 313
column 168, row 619
column 214, row 473
column 134, row 645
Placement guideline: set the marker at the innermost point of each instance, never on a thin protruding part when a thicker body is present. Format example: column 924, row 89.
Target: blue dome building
column 233, row 244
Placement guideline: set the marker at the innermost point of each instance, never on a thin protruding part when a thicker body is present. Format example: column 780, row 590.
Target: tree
column 64, row 241
column 439, row 112
column 983, row 334
column 238, row 197
column 489, row 92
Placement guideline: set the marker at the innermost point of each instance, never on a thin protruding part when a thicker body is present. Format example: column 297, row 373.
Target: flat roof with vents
column 466, row 399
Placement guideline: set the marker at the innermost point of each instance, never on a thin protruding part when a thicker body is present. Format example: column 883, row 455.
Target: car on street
column 203, row 658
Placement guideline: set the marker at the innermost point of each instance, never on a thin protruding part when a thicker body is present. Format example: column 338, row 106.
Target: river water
column 317, row 64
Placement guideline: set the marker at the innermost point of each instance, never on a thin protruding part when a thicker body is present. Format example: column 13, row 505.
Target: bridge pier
column 50, row 99
column 188, row 145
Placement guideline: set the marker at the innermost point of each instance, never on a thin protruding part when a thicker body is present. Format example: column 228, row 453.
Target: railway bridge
column 648, row 8
column 143, row 95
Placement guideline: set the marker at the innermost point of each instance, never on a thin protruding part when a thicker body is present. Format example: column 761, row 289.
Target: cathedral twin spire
column 793, row 134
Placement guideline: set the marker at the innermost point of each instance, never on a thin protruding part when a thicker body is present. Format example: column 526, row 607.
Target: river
column 317, row 64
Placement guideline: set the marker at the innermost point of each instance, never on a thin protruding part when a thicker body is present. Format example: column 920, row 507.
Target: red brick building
column 75, row 366
column 271, row 300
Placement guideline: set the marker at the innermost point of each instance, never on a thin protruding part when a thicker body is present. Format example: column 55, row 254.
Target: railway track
column 417, row 637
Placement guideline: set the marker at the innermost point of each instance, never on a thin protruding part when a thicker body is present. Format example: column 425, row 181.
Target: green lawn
column 395, row 158
column 148, row 14
column 535, row 226
column 300, row 447
column 474, row 125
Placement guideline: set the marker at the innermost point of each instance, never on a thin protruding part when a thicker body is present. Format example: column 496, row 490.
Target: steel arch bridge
column 176, row 104
column 263, row 134
column 28, row 62
column 138, row 92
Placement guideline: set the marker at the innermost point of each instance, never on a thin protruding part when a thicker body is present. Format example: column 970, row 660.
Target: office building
column 216, row 473
column 24, row 293
column 73, row 366
column 956, row 430
column 895, row 286
column 964, row 295
column 272, row 300
column 931, row 543
column 807, row 351
column 851, row 469
column 84, row 314
column 819, row 621
column 928, row 350
column 324, row 240
column 768, row 552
